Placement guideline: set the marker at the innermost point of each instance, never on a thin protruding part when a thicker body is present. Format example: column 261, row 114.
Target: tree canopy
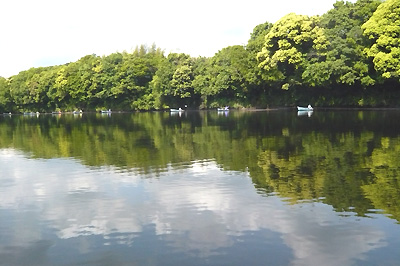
column 349, row 56
column 383, row 28
column 291, row 43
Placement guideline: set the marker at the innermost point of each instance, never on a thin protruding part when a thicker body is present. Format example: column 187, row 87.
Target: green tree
column 228, row 71
column 84, row 81
column 256, row 78
column 28, row 88
column 134, row 76
column 4, row 95
column 383, row 28
column 58, row 93
column 291, row 43
column 166, row 92
column 201, row 80
column 182, row 81
column 253, row 47
column 345, row 61
column 38, row 87
column 106, row 77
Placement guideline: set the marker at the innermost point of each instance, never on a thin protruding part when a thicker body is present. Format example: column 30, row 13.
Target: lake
column 201, row 188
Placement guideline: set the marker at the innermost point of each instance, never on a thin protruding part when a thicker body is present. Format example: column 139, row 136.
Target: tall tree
column 166, row 92
column 255, row 77
column 26, row 91
column 345, row 62
column 182, row 81
column 4, row 95
column 291, row 43
column 201, row 80
column 229, row 68
column 253, row 47
column 383, row 28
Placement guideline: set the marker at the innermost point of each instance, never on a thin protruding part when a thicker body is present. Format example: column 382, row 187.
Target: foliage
column 172, row 82
column 5, row 97
column 345, row 61
column 226, row 77
column 350, row 56
column 289, row 45
column 383, row 28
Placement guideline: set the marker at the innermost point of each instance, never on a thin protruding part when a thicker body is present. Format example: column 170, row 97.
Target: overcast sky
column 51, row 32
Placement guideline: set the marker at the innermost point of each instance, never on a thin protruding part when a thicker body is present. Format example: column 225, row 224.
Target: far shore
column 231, row 109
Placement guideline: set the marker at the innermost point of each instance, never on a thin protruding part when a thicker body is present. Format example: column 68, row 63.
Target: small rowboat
column 308, row 108
column 224, row 109
column 31, row 113
column 177, row 110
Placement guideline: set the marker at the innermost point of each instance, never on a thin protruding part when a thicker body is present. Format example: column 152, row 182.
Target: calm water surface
column 201, row 188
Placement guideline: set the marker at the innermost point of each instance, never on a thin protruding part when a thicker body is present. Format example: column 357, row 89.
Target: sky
column 52, row 32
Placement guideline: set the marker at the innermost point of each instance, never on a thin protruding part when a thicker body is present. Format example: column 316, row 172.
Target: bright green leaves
column 4, row 95
column 118, row 81
column 290, row 43
column 383, row 28
column 345, row 62
column 322, row 51
column 182, row 81
column 350, row 46
column 228, row 74
column 255, row 44
column 134, row 74
column 223, row 79
column 288, row 54
column 173, row 81
column 28, row 90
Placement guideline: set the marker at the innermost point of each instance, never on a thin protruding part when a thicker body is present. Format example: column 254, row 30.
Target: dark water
column 201, row 188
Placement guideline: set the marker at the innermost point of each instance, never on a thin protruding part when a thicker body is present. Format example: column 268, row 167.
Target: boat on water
column 177, row 110
column 223, row 109
column 31, row 113
column 106, row 111
column 308, row 108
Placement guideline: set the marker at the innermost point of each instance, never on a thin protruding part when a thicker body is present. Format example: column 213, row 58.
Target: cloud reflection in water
column 199, row 210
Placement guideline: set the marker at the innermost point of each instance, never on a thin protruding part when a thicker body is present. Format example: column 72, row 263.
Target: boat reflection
column 304, row 113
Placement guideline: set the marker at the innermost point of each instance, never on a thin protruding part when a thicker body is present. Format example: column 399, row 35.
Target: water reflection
column 348, row 160
column 200, row 189
column 199, row 212
column 305, row 113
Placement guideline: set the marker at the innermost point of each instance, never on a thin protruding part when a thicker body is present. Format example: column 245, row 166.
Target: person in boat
column 309, row 106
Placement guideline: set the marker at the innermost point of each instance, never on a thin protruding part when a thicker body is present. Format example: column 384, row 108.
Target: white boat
column 176, row 110
column 223, row 109
column 31, row 113
column 106, row 111
column 308, row 108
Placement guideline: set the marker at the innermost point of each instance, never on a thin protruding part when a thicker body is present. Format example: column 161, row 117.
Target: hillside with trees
column 348, row 57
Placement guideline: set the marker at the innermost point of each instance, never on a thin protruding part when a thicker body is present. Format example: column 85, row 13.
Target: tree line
column 349, row 56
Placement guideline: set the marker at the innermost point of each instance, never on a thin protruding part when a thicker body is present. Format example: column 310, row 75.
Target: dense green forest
column 349, row 56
